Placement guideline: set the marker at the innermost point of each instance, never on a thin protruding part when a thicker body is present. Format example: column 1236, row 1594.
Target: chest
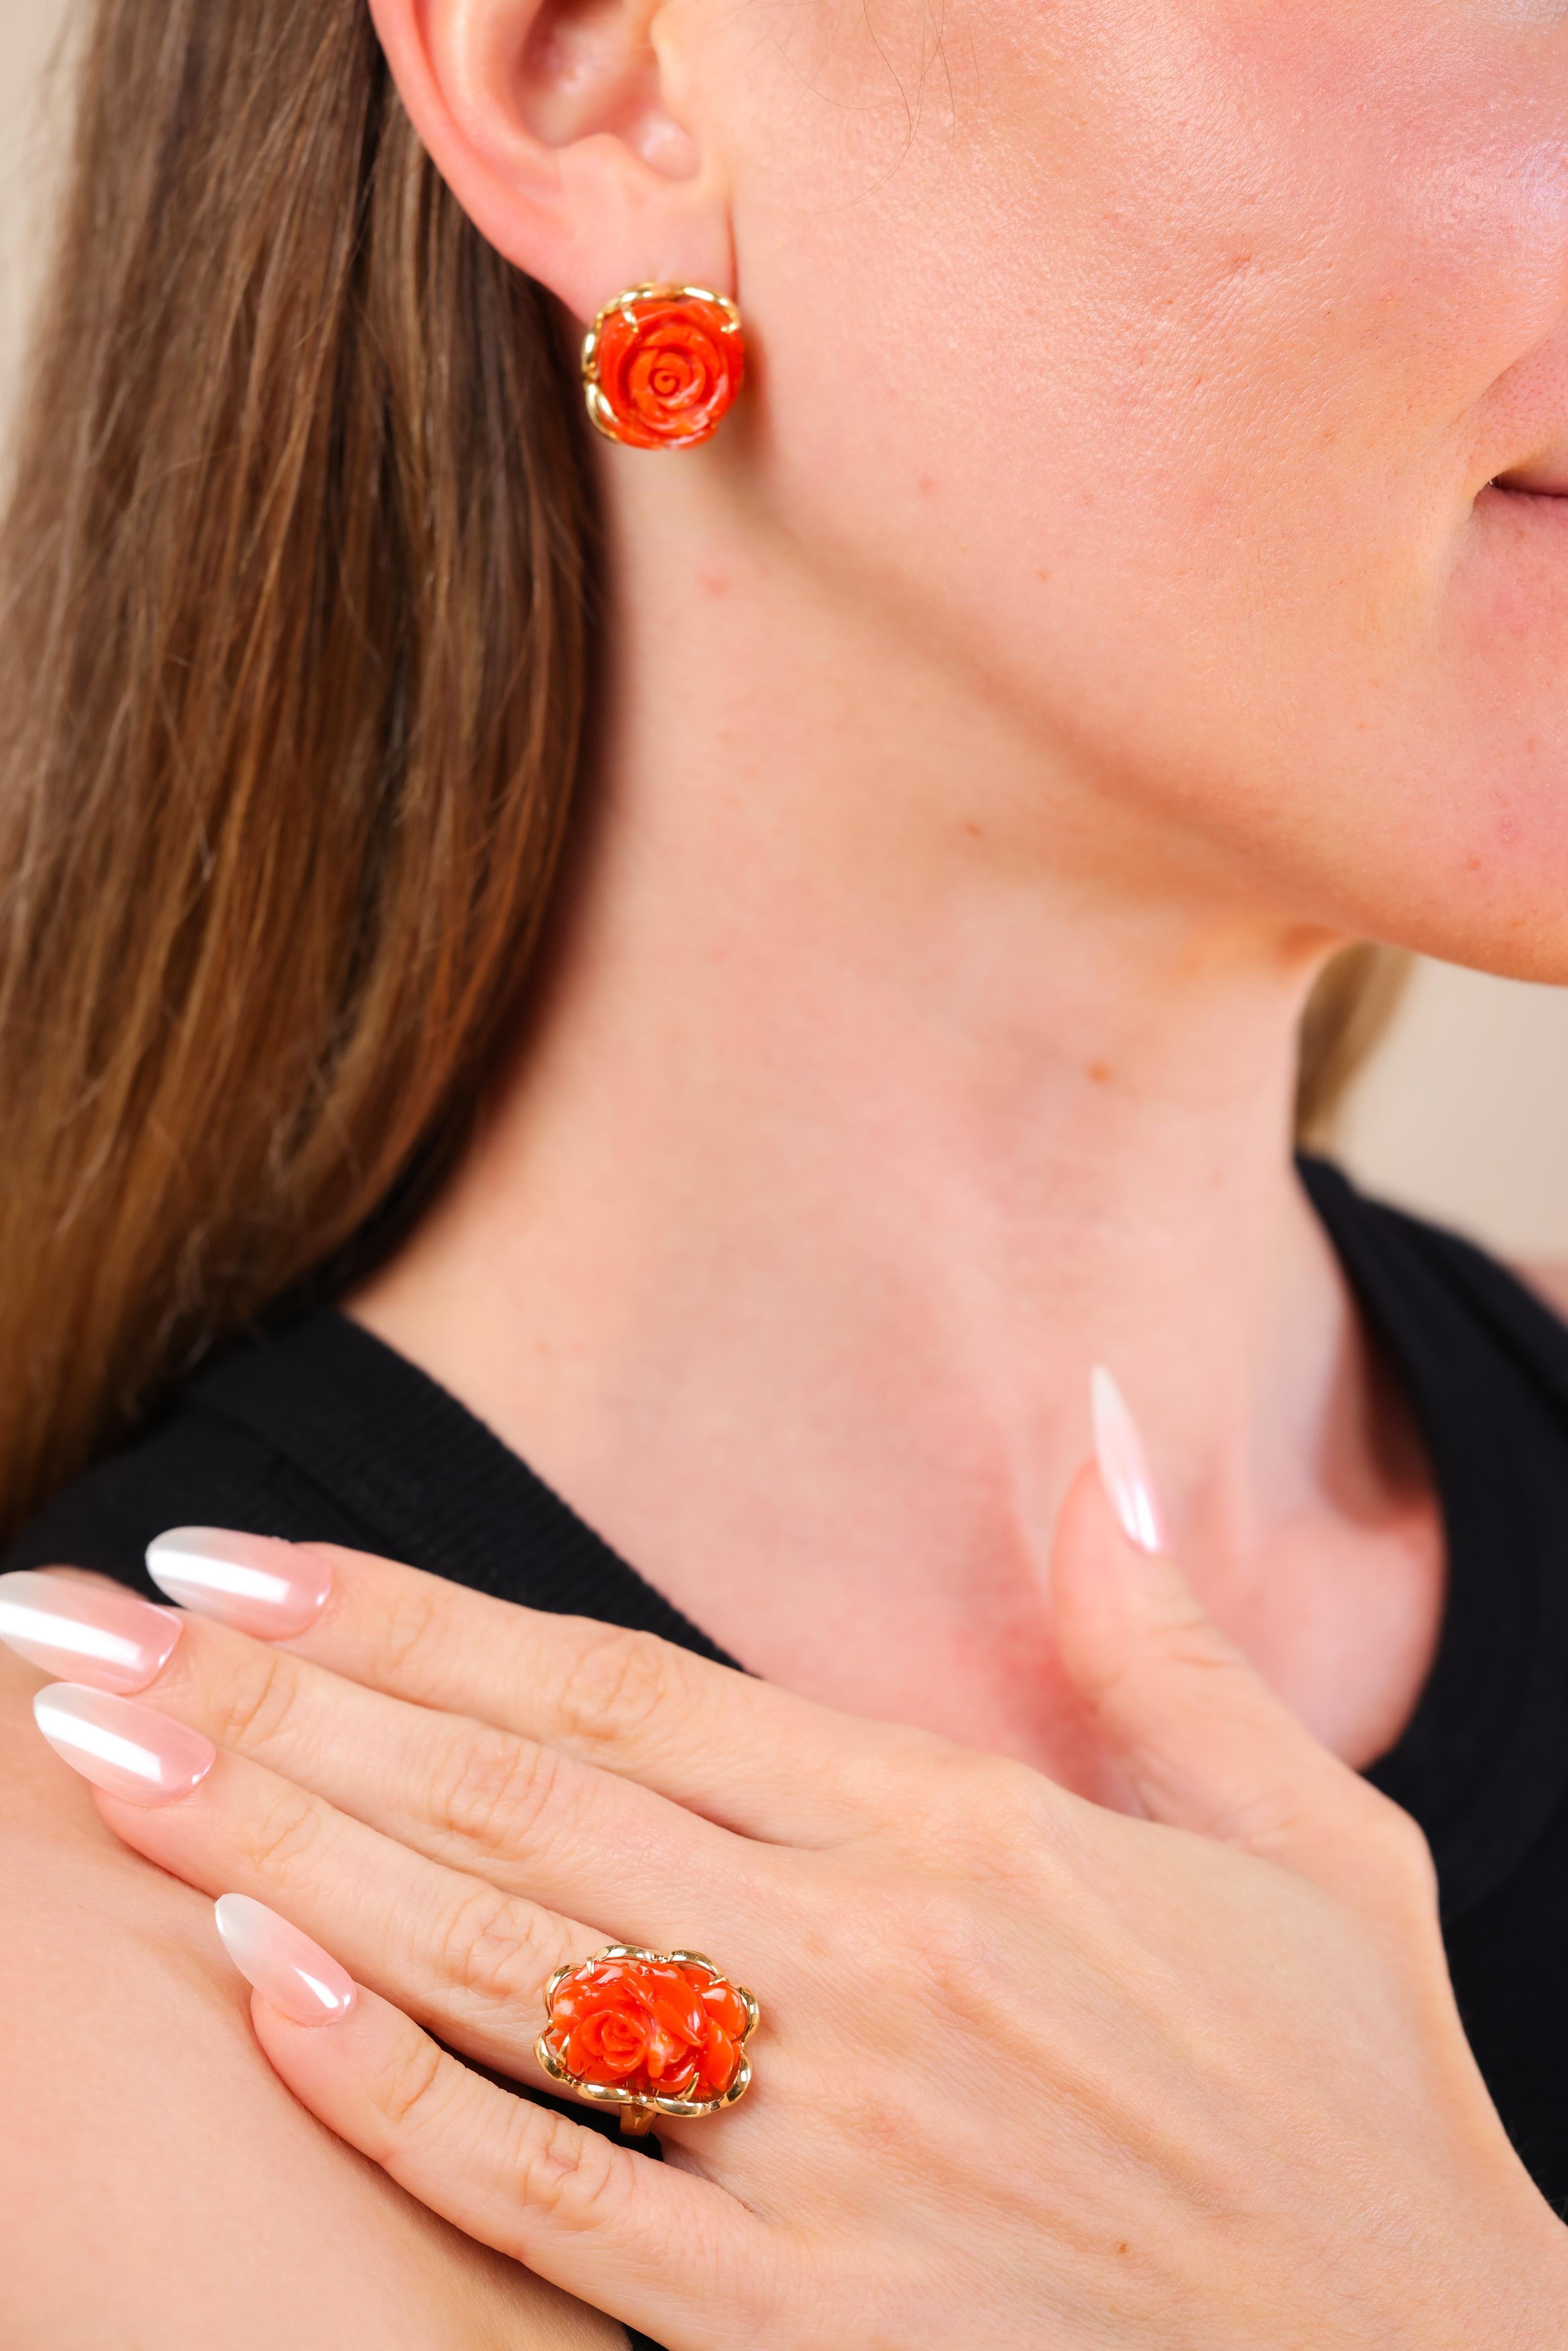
column 1341, row 1620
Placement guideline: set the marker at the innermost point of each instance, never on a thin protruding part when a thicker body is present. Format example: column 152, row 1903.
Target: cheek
column 1214, row 245
column 1162, row 350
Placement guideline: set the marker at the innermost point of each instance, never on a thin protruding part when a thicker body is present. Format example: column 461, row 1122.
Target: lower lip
column 1526, row 501
column 1524, row 520
column 1519, row 539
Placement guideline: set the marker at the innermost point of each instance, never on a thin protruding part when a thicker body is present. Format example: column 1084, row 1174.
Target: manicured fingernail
column 120, row 1746
column 286, row 1967
column 1123, row 1465
column 254, row 1582
column 114, row 1640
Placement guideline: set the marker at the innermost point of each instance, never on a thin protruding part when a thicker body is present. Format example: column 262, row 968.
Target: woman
column 1135, row 564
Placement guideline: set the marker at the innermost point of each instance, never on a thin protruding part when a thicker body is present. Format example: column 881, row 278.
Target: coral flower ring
column 661, row 364
column 650, row 2032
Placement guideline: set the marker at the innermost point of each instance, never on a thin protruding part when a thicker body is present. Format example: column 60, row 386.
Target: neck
column 862, row 1115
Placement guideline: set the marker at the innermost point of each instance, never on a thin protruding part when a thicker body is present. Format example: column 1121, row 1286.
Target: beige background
column 1465, row 1112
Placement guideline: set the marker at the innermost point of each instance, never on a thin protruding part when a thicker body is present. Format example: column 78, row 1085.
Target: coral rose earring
column 661, row 364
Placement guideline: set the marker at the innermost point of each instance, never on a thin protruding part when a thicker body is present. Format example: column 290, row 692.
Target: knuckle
column 1269, row 1822
column 944, row 1958
column 413, row 1627
column 620, row 1683
column 985, row 1816
column 251, row 1713
column 493, row 1791
column 1188, row 1642
column 574, row 2177
column 495, row 1950
column 285, row 1834
column 1014, row 1808
column 406, row 2088
column 926, row 1943
column 1401, row 1849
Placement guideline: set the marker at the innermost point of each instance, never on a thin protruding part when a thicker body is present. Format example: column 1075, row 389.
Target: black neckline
column 370, row 1427
column 1484, row 1762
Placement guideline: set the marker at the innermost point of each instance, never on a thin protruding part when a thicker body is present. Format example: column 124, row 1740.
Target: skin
column 1098, row 609
column 160, row 2186
column 1101, row 605
column 461, row 1796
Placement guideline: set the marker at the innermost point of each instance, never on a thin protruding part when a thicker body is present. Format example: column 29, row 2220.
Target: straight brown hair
column 293, row 648
column 295, row 594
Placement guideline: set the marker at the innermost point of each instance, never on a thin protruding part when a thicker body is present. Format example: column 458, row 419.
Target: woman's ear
column 559, row 127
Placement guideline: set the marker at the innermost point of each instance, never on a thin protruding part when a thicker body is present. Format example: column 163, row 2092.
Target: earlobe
column 552, row 122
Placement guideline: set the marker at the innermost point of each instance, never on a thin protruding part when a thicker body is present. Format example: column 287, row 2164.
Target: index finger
column 735, row 1749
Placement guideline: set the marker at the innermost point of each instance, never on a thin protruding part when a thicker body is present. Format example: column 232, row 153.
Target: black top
column 319, row 1431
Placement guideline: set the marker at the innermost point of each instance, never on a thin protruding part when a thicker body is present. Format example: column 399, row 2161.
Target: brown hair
column 292, row 657
column 1348, row 1015
column 293, row 648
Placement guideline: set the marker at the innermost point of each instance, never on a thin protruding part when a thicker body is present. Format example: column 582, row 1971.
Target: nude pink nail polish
column 257, row 1583
column 128, row 1749
column 112, row 1639
column 1124, row 1464
column 286, row 1967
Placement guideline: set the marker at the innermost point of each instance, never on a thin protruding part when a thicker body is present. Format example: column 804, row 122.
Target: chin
column 1454, row 845
column 1501, row 911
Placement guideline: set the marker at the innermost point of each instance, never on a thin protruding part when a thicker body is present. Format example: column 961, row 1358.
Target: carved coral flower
column 662, row 365
column 660, row 2029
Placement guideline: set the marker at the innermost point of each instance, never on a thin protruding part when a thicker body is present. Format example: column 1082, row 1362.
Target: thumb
column 1205, row 1745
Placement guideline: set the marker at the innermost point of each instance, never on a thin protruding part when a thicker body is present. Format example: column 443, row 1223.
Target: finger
column 469, row 1961
column 1205, row 1745
column 657, row 2248
column 476, row 1798
column 716, row 1741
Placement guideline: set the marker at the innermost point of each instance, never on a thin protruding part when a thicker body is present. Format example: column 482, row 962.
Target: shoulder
column 196, row 1464
column 189, row 1470
column 142, row 2122
column 142, row 2119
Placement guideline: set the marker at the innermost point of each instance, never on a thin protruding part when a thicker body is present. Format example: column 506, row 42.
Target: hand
column 1031, row 2071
